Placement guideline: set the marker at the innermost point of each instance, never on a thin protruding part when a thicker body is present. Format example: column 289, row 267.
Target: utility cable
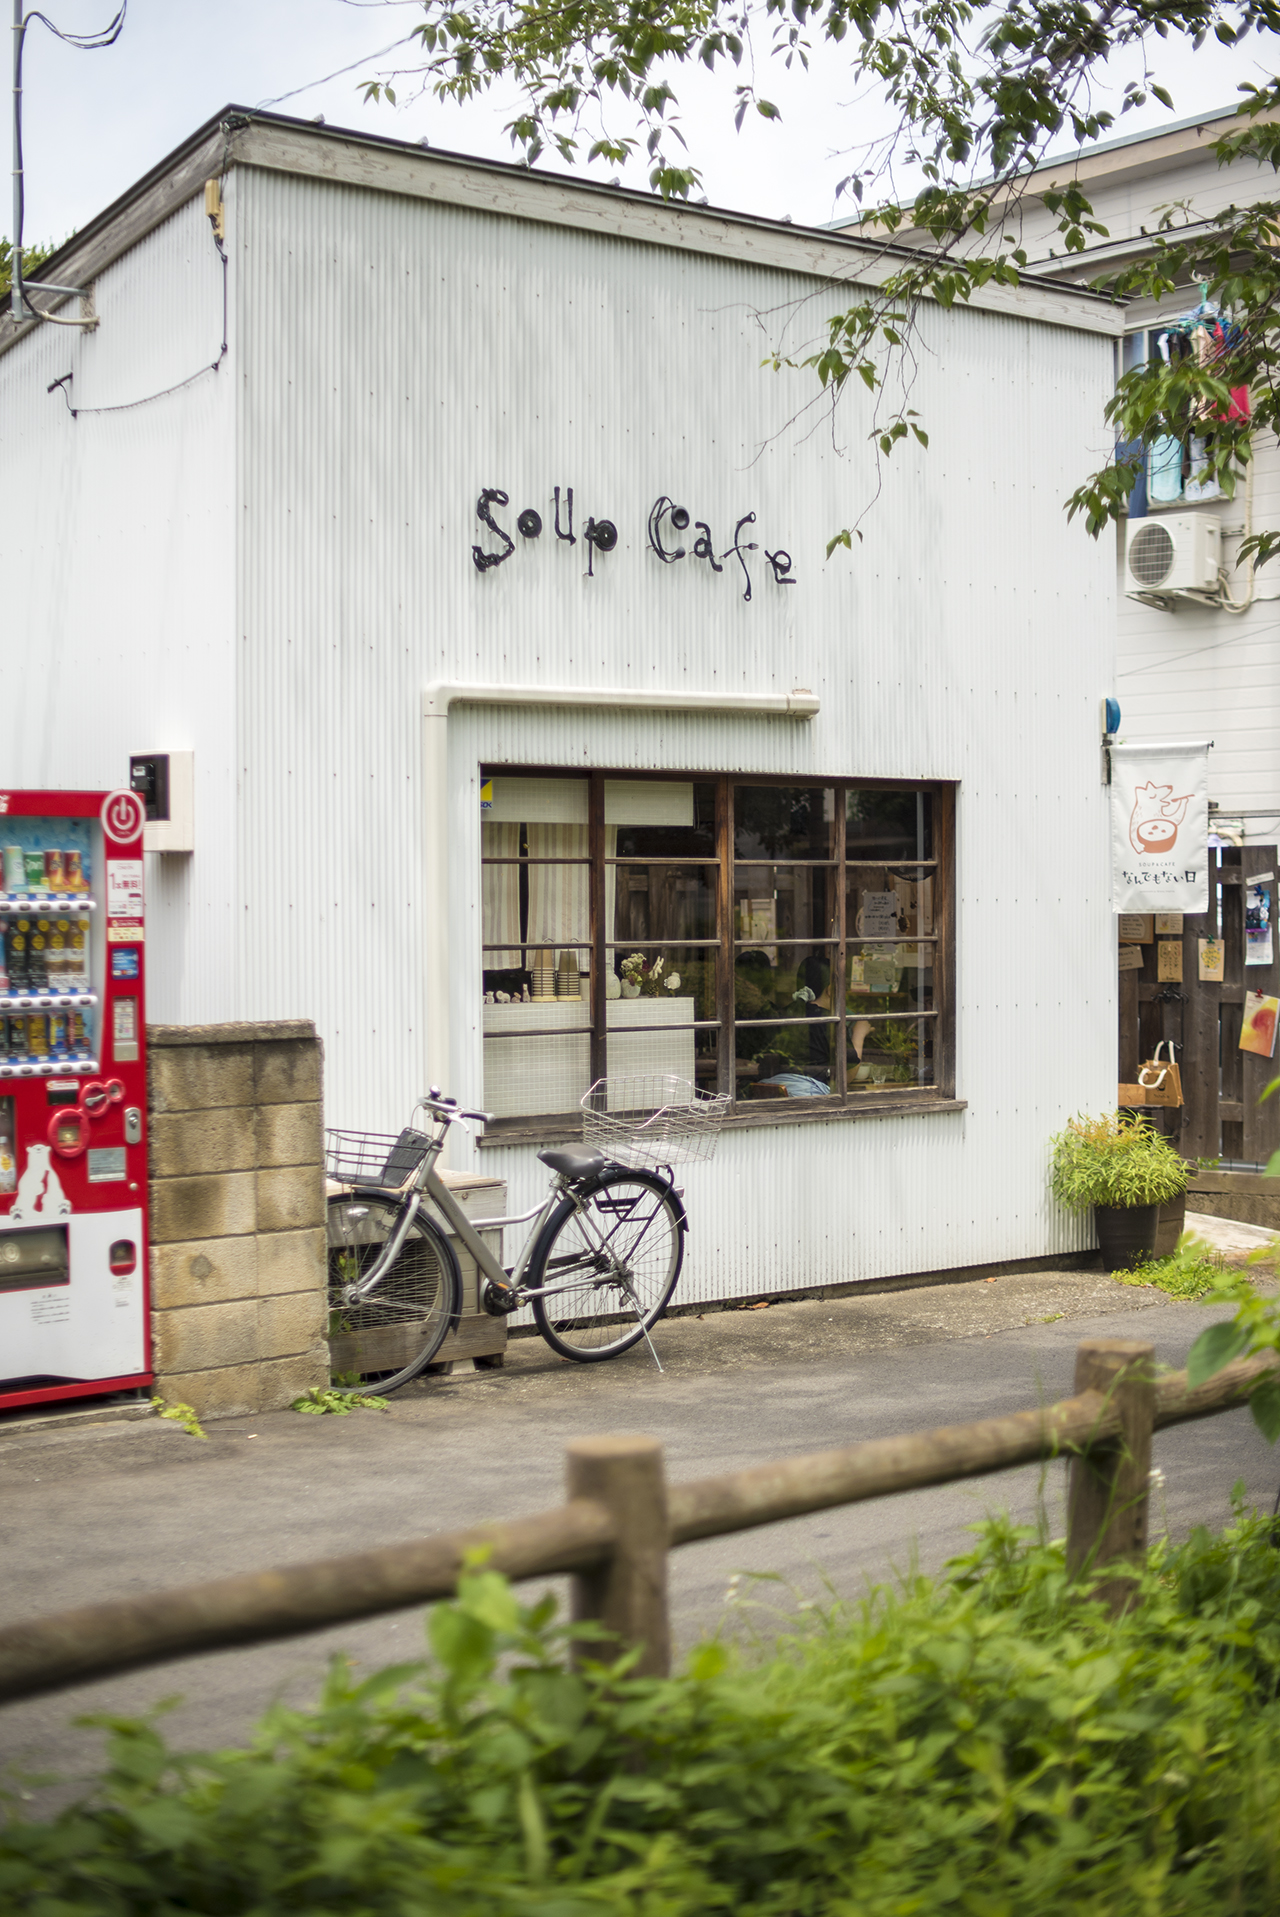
column 83, row 43
column 64, row 384
column 312, row 84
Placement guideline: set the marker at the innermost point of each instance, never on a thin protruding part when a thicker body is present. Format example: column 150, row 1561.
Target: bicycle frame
column 427, row 1184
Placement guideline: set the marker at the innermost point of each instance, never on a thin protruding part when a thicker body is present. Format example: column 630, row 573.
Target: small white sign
column 124, row 888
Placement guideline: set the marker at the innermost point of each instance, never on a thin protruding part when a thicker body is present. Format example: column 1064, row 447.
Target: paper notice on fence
column 1258, row 1032
column 1211, row 954
column 1169, row 963
column 1130, row 958
column 1160, row 828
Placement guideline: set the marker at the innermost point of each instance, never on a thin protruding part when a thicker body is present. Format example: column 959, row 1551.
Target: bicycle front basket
column 374, row 1158
column 653, row 1119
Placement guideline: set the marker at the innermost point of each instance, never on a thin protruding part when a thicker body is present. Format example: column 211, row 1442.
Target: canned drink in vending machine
column 37, row 1036
column 73, row 864
column 58, row 1034
column 14, row 1033
column 15, row 869
column 34, row 862
column 16, row 941
column 77, row 1034
column 55, row 877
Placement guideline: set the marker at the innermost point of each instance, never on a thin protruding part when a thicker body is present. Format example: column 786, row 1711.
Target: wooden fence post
column 1107, row 1498
column 627, row 1594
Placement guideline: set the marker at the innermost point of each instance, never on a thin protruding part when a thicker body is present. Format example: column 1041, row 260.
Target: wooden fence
column 621, row 1520
column 1221, row 1086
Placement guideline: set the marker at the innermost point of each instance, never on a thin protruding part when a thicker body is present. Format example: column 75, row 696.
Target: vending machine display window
column 73, row 1173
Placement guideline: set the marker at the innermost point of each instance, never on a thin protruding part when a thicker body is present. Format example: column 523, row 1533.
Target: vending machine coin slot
column 123, row 1257
column 33, row 1259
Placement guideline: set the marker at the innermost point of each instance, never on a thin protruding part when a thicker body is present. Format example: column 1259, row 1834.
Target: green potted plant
column 1126, row 1171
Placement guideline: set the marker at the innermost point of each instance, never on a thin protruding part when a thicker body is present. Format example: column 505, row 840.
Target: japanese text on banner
column 1160, row 828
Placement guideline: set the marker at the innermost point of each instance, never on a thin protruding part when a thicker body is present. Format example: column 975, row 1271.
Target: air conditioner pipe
column 1227, row 602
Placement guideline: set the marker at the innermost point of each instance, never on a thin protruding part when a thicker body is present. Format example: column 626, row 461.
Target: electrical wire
column 64, row 384
column 1177, row 658
column 312, row 84
column 83, row 43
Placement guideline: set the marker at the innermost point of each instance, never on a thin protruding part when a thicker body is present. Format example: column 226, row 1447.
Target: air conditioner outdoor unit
column 1172, row 554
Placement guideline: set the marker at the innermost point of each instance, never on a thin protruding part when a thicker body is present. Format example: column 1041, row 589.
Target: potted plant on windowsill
column 1126, row 1171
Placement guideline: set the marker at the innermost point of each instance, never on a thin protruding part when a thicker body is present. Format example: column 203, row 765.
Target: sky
column 94, row 122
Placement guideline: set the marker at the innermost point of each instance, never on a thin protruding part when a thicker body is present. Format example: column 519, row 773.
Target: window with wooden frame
column 786, row 940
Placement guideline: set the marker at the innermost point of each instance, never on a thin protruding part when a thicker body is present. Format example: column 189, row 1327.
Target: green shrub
column 1116, row 1159
column 987, row 1744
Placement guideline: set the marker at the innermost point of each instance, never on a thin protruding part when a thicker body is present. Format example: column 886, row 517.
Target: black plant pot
column 1126, row 1234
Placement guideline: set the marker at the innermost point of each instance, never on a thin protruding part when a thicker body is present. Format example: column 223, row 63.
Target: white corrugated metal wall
column 119, row 577
column 400, row 356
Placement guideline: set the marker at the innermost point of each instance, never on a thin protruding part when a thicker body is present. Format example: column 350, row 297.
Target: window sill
column 563, row 1131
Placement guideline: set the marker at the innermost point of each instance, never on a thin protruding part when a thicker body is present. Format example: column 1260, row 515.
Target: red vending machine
column 74, row 1298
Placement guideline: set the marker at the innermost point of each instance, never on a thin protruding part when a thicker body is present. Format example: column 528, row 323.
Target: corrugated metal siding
column 119, row 577
column 398, row 358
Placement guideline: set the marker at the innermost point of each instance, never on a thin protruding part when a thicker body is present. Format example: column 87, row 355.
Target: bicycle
column 603, row 1254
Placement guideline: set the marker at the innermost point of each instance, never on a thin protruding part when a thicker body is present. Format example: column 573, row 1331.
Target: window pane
column 893, row 1051
column 888, row 903
column 654, row 819
column 660, row 902
column 889, row 978
column 667, row 983
column 792, row 1060
column 772, row 902
column 889, row 825
column 787, row 981
column 783, row 821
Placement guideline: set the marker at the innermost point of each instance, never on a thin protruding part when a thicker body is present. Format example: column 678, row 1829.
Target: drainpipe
column 437, row 702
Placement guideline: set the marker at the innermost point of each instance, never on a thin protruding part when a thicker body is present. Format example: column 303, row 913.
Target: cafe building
column 451, row 532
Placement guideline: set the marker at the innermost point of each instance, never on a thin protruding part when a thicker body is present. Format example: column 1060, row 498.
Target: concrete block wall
column 238, row 1301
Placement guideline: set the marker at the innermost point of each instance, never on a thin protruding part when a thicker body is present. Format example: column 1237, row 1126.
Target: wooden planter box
column 478, row 1335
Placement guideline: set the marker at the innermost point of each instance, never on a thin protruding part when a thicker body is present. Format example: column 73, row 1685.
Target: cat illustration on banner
column 40, row 1194
column 1156, row 816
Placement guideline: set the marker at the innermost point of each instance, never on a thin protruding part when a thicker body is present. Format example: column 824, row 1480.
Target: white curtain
column 500, row 895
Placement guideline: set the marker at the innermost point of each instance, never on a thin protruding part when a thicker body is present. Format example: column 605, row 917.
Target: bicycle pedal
column 499, row 1300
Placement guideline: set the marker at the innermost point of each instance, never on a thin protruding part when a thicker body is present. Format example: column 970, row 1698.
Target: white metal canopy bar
column 438, row 699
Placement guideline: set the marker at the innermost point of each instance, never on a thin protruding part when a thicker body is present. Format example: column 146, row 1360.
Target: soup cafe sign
column 1160, row 828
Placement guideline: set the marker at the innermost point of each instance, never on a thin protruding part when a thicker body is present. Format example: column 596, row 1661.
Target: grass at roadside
column 986, row 1743
column 1186, row 1275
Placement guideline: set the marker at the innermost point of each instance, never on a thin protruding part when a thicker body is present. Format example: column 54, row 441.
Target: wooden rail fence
column 622, row 1518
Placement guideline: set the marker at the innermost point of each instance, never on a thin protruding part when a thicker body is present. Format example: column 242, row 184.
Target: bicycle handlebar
column 448, row 1108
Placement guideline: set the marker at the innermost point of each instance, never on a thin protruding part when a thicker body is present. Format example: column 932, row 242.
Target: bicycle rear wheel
column 391, row 1336
column 618, row 1259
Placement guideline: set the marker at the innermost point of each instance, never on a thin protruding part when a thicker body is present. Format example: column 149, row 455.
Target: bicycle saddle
column 575, row 1163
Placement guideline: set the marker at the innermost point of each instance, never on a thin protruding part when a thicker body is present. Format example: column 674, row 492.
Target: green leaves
column 981, row 1743
column 1214, row 1348
column 319, row 1401
column 1114, row 1159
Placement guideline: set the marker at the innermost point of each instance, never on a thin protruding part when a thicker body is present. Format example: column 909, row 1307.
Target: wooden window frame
column 842, row 1104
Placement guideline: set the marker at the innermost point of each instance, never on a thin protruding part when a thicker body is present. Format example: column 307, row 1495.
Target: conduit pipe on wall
column 437, row 703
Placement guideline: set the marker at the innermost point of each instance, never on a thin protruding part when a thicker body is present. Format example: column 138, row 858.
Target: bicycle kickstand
column 648, row 1340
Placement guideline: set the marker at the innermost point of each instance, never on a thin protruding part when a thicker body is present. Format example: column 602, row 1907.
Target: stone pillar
column 238, row 1303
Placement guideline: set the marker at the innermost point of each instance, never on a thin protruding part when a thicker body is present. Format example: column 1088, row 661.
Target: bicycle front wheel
column 391, row 1336
column 610, row 1256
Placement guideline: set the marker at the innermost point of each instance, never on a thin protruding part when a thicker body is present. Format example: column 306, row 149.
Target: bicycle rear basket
column 374, row 1158
column 652, row 1119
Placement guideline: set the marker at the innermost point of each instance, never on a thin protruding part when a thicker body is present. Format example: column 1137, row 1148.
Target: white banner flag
column 1160, row 828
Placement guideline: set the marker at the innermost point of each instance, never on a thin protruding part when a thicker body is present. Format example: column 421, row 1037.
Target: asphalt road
column 89, row 1515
